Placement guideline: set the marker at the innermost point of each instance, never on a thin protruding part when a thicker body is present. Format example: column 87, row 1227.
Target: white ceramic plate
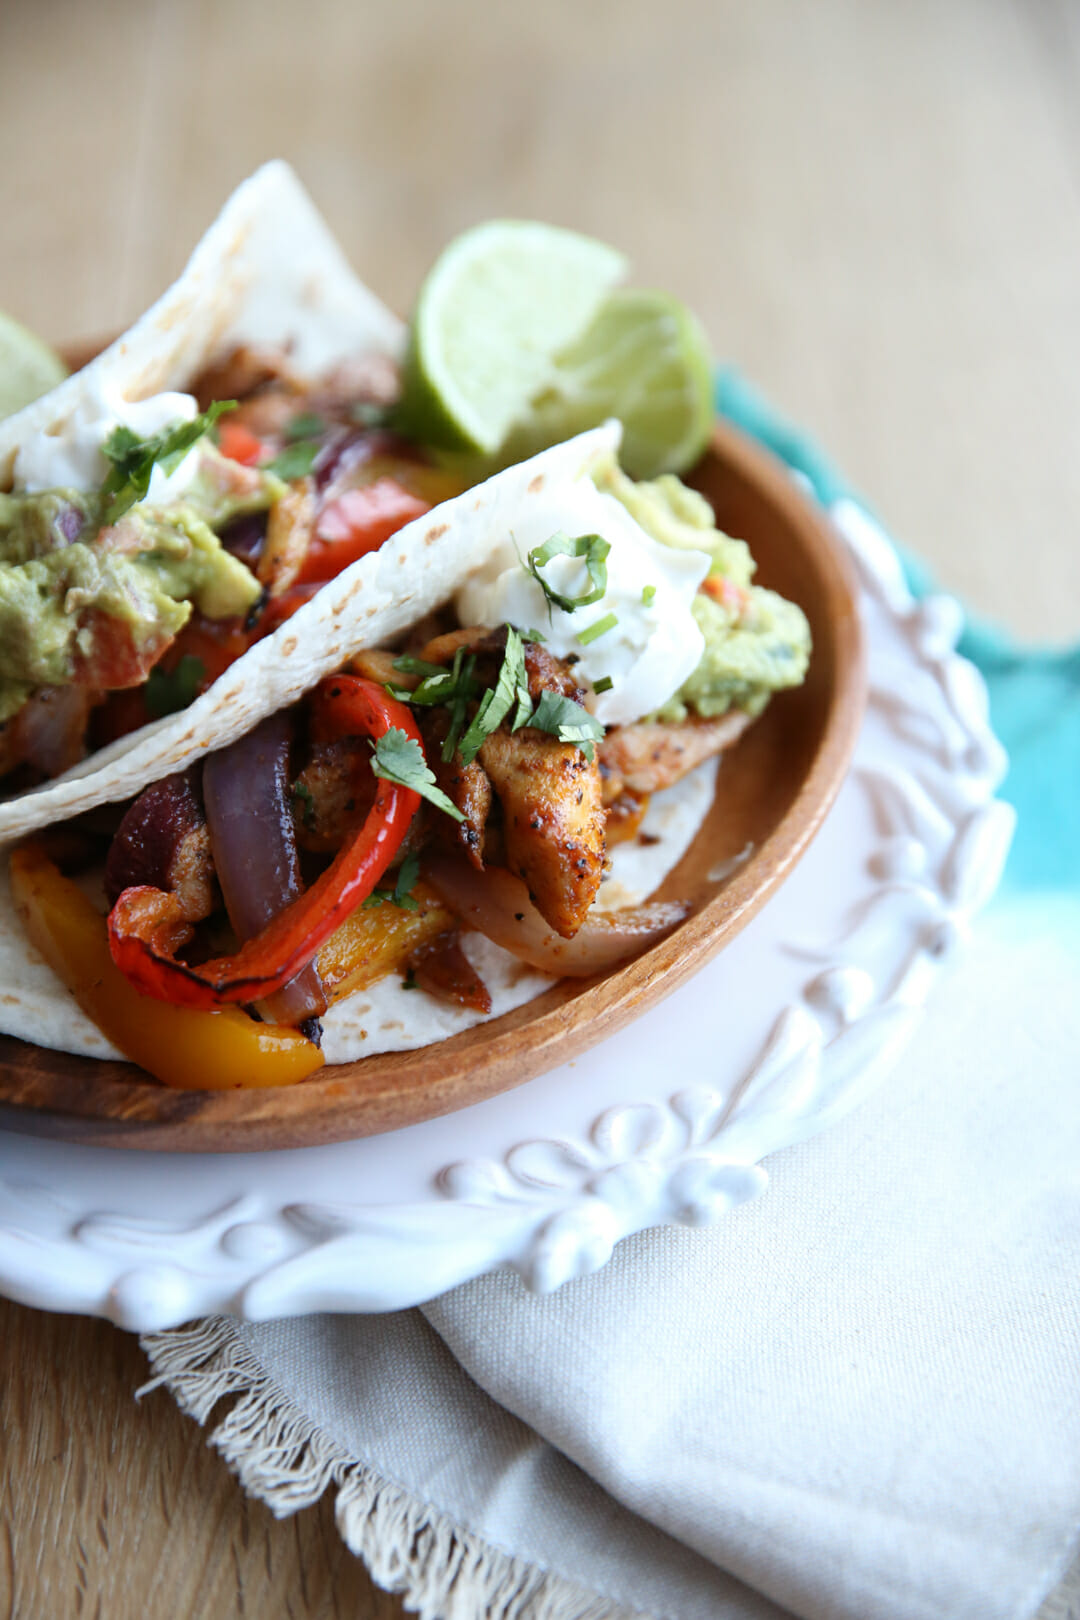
column 787, row 1029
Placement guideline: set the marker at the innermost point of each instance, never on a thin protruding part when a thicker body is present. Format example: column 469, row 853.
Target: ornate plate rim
column 553, row 1208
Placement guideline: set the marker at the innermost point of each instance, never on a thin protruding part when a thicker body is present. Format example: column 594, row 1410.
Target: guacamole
column 756, row 643
column 84, row 602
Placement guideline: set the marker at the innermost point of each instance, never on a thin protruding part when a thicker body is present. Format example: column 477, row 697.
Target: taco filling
column 303, row 714
column 474, row 777
column 147, row 547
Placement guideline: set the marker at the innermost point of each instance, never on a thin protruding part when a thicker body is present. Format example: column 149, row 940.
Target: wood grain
column 772, row 795
column 875, row 207
column 117, row 1510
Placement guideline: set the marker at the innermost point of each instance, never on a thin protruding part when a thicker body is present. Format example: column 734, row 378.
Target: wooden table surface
column 873, row 204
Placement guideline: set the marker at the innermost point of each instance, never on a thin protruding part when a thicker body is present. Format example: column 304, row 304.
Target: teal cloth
column 1034, row 691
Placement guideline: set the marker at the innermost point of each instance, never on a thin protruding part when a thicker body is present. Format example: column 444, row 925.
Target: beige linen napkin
column 856, row 1398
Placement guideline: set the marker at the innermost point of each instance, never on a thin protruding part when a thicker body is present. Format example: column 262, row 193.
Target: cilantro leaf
column 409, row 664
column 401, row 894
column 408, row 872
column 568, row 721
column 295, row 461
column 465, row 690
column 512, row 687
column 167, row 691
column 598, row 628
column 591, row 548
column 134, row 459
column 308, row 425
column 399, row 758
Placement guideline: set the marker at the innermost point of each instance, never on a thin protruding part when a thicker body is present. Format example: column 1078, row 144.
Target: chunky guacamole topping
column 756, row 643
column 82, row 600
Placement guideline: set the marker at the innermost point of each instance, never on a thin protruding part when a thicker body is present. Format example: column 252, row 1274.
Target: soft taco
column 352, row 754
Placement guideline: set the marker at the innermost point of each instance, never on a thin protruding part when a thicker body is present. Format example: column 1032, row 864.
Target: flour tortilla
column 268, row 272
column 35, row 1006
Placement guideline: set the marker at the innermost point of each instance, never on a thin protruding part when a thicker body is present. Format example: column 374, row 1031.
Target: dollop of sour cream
column 71, row 457
column 655, row 643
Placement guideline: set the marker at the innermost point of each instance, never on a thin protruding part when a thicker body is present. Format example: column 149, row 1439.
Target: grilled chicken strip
column 549, row 793
column 466, row 786
column 163, row 841
column 648, row 757
column 553, row 821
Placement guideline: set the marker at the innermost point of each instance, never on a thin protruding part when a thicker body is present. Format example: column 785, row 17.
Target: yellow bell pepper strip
column 376, row 940
column 194, row 1050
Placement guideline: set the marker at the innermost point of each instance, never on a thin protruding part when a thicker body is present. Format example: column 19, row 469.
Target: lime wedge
column 501, row 301
column 644, row 359
column 28, row 367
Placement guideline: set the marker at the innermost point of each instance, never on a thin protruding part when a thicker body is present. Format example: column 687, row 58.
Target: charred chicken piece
column 651, row 756
column 441, row 967
column 466, row 786
column 330, row 797
column 48, row 734
column 163, row 841
column 289, row 532
column 251, row 374
column 553, row 821
column 548, row 792
column 623, row 816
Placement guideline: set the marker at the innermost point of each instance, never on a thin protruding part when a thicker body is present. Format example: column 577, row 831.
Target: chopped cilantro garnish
column 167, row 691
column 134, row 459
column 591, row 548
column 599, row 628
column 604, row 684
column 295, row 461
column 452, row 688
column 511, row 688
column 568, row 721
column 410, row 665
column 366, row 413
column 464, row 690
column 308, row 425
column 531, row 635
column 647, row 594
column 399, row 758
column 408, row 872
column 401, row 894
column 507, row 701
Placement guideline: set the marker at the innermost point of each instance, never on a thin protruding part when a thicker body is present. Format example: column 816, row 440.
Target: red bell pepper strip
column 356, row 522
column 239, row 443
column 146, row 928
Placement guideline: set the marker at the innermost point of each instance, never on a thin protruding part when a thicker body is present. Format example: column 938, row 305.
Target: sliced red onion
column 162, row 841
column 498, row 905
column 254, row 843
column 244, row 537
column 345, row 448
column 71, row 521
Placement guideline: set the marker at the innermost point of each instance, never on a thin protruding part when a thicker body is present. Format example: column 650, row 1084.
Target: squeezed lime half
column 28, row 367
column 500, row 303
column 644, row 359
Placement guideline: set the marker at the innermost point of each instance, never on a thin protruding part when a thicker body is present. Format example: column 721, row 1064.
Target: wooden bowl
column 773, row 791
